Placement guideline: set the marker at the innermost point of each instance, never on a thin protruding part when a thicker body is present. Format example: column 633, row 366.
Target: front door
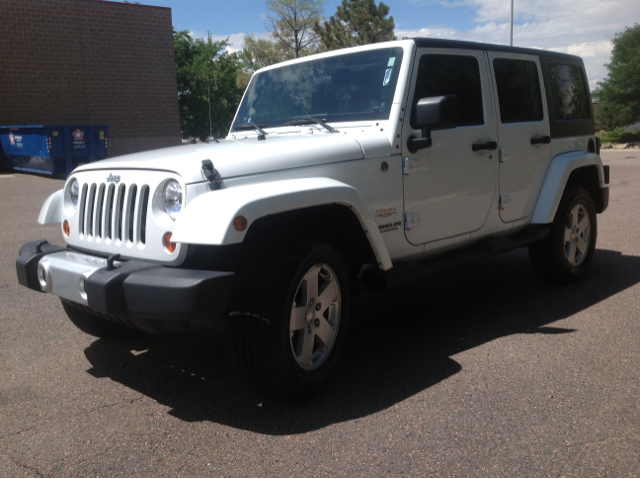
column 523, row 132
column 449, row 187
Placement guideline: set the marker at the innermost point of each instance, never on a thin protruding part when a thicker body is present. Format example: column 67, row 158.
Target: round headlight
column 172, row 197
column 74, row 192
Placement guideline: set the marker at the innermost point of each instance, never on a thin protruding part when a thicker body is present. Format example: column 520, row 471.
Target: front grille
column 114, row 213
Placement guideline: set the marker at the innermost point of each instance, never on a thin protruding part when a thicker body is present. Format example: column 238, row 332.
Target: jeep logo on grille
column 113, row 178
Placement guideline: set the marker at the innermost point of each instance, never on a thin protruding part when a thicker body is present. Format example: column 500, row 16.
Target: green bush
column 617, row 133
column 629, row 136
column 623, row 134
column 632, row 133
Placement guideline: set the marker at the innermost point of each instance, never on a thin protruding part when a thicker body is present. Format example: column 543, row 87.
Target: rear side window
column 458, row 75
column 569, row 92
column 518, row 90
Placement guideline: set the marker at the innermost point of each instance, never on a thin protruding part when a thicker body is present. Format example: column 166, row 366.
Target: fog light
column 43, row 276
column 168, row 244
column 65, row 227
column 240, row 223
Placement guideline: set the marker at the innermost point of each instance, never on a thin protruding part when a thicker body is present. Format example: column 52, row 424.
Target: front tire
column 95, row 325
column 291, row 319
column 566, row 254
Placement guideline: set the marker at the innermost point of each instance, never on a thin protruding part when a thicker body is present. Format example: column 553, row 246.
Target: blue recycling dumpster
column 52, row 149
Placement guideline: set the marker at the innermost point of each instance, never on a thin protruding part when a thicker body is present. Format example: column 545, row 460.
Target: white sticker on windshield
column 387, row 76
column 392, row 60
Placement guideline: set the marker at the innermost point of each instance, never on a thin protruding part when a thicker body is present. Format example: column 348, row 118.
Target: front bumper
column 127, row 289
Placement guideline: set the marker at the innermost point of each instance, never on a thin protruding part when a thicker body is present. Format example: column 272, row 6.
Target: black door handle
column 545, row 140
column 489, row 145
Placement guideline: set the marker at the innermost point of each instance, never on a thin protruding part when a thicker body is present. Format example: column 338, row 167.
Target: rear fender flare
column 555, row 182
column 208, row 219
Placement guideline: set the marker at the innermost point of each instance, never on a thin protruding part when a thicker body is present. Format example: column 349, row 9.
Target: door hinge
column 505, row 154
column 411, row 220
column 504, row 201
column 408, row 165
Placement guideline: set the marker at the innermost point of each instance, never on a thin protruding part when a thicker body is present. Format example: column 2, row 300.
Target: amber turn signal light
column 240, row 223
column 65, row 227
column 166, row 241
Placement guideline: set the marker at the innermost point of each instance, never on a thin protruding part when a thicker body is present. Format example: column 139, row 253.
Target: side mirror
column 433, row 113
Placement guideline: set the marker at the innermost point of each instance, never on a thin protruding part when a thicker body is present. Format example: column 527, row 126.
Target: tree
column 356, row 22
column 260, row 53
column 291, row 23
column 619, row 93
column 208, row 91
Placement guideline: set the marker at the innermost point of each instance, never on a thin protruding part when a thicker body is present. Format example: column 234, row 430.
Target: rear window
column 569, row 92
column 518, row 90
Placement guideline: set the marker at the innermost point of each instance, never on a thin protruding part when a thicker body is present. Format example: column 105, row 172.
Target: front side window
column 568, row 87
column 353, row 87
column 459, row 75
column 518, row 90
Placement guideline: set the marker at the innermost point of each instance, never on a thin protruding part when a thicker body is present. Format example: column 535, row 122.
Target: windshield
column 353, row 87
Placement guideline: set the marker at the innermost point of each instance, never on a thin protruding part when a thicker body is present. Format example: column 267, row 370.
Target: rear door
column 523, row 131
column 449, row 188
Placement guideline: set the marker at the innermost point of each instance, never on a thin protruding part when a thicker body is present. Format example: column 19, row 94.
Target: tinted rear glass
column 569, row 92
column 518, row 90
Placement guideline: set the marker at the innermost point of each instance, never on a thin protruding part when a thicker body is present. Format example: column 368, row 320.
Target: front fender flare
column 556, row 180
column 51, row 211
column 208, row 219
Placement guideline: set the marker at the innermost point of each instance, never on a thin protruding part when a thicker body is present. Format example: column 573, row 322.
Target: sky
column 579, row 27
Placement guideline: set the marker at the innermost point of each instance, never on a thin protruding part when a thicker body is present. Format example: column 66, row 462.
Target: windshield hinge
column 211, row 175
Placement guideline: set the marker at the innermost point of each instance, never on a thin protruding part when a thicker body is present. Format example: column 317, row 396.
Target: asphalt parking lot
column 484, row 371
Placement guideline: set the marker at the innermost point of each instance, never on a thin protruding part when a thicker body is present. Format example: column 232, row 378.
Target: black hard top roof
column 441, row 43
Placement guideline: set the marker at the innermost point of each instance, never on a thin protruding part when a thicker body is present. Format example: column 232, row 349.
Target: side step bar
column 378, row 280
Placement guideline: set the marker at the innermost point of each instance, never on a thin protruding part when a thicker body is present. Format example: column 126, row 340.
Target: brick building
column 90, row 62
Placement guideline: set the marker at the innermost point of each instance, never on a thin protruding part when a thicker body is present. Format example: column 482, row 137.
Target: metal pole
column 209, row 100
column 209, row 88
column 511, row 42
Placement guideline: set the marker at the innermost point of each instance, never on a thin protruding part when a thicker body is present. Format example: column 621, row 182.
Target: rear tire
column 290, row 319
column 565, row 255
column 97, row 326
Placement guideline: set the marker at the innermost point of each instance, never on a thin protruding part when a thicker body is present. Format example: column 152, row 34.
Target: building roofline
column 132, row 4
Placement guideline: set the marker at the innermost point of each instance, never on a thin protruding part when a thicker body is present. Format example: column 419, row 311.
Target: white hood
column 249, row 156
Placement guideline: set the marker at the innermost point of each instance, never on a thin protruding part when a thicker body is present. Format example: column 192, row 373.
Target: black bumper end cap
column 605, row 198
column 602, row 200
column 27, row 262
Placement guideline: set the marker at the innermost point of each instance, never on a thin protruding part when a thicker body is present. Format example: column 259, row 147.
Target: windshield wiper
column 309, row 120
column 253, row 126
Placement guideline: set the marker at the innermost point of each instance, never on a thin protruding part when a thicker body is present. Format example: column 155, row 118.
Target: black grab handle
column 489, row 145
column 545, row 140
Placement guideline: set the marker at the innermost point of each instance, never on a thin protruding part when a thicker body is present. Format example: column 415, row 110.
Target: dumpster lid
column 52, row 126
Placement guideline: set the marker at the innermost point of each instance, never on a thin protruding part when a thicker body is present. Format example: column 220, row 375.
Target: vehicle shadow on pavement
column 401, row 344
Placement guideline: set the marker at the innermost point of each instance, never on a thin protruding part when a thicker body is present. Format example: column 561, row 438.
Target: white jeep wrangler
column 350, row 170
